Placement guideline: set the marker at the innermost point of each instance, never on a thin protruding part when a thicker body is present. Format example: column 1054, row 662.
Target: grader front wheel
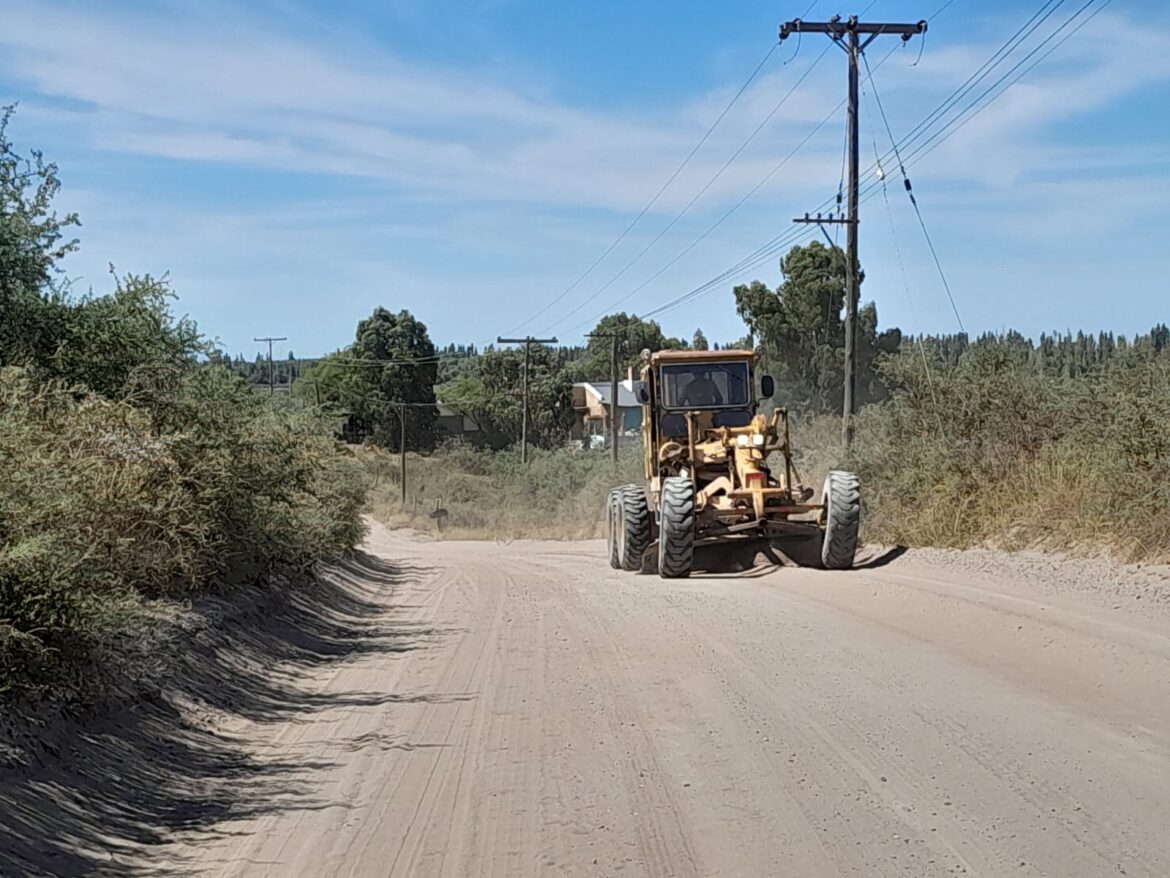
column 633, row 526
column 612, row 532
column 676, row 537
column 842, row 498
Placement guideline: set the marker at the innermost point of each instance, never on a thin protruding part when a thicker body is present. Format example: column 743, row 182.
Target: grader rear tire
column 634, row 523
column 676, row 534
column 842, row 497
column 611, row 530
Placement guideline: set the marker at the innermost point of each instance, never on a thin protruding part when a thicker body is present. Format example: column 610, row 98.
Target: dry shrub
column 490, row 495
column 107, row 508
column 994, row 450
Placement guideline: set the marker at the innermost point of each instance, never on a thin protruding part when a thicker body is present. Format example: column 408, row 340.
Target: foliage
column 133, row 475
column 284, row 370
column 455, row 359
column 699, row 341
column 634, row 336
column 1004, row 446
column 802, row 331
column 491, row 395
column 107, row 343
column 32, row 241
column 389, row 372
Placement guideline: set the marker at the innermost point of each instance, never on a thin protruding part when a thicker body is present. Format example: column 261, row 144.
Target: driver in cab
column 701, row 391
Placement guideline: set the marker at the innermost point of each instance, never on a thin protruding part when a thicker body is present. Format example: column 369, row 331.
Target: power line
column 984, row 70
column 943, row 134
column 708, row 185
column 762, row 254
column 373, row 361
column 971, row 110
column 978, row 75
column 719, row 173
column 909, row 297
column 735, row 98
column 910, row 192
column 783, row 240
column 786, row 239
column 717, row 222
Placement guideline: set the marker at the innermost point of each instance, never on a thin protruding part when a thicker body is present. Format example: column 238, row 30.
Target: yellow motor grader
column 708, row 476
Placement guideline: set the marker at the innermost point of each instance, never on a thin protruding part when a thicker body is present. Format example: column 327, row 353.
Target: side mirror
column 642, row 391
column 767, row 387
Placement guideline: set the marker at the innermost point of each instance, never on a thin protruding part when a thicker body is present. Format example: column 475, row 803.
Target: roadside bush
column 105, row 509
column 92, row 516
column 130, row 474
column 992, row 449
column 272, row 491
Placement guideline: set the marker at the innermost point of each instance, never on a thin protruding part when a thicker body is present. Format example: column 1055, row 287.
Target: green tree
column 388, row 372
column 802, row 330
column 110, row 343
column 489, row 393
column 699, row 341
column 634, row 336
column 32, row 243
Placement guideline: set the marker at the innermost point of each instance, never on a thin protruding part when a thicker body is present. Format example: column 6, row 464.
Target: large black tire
column 634, row 522
column 676, row 532
column 842, row 496
column 613, row 545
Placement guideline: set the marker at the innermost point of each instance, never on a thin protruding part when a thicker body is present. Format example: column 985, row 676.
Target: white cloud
column 512, row 170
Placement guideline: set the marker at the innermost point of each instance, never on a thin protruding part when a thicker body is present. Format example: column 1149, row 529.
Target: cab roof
column 661, row 357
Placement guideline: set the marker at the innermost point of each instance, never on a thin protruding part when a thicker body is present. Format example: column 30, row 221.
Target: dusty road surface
column 914, row 718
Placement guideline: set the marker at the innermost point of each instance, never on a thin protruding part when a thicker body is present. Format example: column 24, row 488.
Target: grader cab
column 719, row 470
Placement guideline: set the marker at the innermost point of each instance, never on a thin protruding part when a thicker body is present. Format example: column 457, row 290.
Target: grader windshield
column 706, row 385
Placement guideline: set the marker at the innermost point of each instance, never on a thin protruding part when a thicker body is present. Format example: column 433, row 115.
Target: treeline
column 1059, row 354
column 135, row 474
column 392, row 379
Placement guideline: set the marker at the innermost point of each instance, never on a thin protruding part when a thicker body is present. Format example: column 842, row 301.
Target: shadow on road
column 757, row 558
column 95, row 789
column 893, row 553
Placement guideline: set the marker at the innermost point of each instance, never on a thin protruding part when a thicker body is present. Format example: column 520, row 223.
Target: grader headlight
column 741, row 440
column 758, row 439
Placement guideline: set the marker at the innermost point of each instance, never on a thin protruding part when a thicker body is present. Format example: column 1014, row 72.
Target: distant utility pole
column 614, row 409
column 271, row 373
column 528, row 342
column 402, row 452
column 847, row 35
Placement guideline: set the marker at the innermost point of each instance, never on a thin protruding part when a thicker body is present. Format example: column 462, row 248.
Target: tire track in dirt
column 570, row 720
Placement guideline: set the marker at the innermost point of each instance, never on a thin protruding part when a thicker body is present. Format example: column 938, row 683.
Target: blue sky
column 292, row 165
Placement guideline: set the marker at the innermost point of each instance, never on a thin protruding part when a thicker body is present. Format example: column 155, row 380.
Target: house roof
column 626, row 398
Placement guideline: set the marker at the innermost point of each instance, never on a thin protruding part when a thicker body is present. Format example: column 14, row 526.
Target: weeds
column 992, row 450
column 490, row 495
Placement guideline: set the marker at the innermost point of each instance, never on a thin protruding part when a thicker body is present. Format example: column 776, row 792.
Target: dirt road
column 561, row 718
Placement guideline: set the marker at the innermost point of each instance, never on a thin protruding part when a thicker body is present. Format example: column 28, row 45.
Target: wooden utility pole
column 615, row 413
column 847, row 34
column 271, row 373
column 528, row 342
column 402, row 452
